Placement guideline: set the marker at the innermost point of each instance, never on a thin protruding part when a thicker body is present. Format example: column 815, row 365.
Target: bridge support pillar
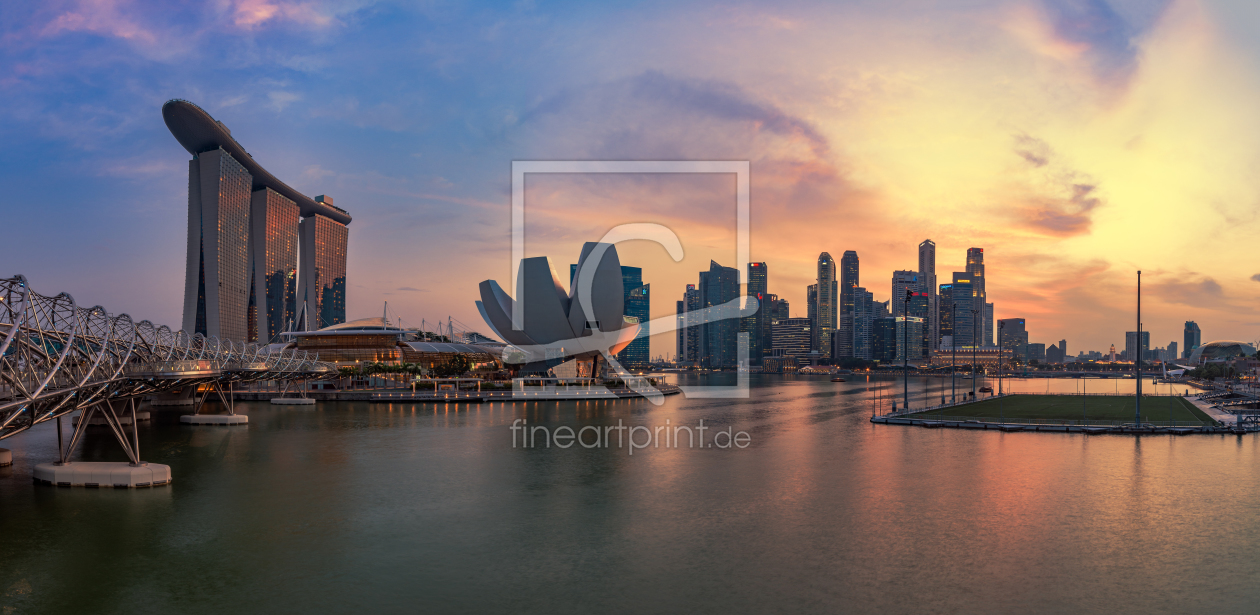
column 231, row 418
column 136, row 473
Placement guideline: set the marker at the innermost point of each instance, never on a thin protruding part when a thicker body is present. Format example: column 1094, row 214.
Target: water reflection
column 388, row 507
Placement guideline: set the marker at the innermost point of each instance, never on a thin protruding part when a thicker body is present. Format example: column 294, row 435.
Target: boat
column 837, row 380
column 986, row 389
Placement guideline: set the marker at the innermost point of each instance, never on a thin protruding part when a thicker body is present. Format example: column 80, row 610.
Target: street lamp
column 905, row 350
column 974, row 321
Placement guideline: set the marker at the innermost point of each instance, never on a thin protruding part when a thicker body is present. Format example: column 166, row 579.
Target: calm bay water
column 407, row 507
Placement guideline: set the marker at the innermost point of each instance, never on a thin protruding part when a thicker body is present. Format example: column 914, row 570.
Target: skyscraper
column 988, row 324
column 246, row 242
column 1192, row 338
column 758, row 325
column 792, row 337
column 927, row 284
column 322, row 277
column 638, row 305
column 274, row 250
column 848, row 279
column 944, row 307
column 1172, row 351
column 903, row 281
column 811, row 306
column 828, row 287
column 975, row 269
column 1013, row 336
column 1133, row 351
column 680, row 331
column 863, row 322
column 691, row 337
column 719, row 342
column 962, row 295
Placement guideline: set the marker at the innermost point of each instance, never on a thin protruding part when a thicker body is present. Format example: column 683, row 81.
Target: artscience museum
column 574, row 332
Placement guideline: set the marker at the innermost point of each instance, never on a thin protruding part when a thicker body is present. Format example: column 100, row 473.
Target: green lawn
column 1070, row 408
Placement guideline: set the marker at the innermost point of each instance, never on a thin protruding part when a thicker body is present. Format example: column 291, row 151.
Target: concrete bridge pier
column 231, row 418
column 120, row 474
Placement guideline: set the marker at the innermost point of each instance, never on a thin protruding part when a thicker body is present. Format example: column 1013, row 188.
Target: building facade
column 255, row 246
column 719, row 341
column 828, row 303
column 927, row 284
column 1133, row 350
column 637, row 300
column 792, row 337
column 1192, row 338
column 757, row 326
column 274, row 251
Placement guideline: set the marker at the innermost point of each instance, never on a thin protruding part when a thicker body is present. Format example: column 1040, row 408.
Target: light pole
column 1001, row 325
column 953, row 351
column 1137, row 363
column 905, row 350
column 973, row 352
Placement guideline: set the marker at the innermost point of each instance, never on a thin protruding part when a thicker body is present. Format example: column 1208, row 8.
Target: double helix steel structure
column 57, row 358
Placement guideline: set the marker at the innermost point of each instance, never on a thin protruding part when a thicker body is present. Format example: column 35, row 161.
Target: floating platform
column 293, row 401
column 6, row 457
column 214, row 419
column 116, row 474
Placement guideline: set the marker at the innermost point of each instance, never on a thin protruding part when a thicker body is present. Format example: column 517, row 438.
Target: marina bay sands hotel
column 262, row 257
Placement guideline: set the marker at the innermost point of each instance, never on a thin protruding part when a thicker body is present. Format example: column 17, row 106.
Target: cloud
column 414, row 290
column 251, row 14
column 1192, row 289
column 1255, row 278
column 1033, row 150
column 281, row 99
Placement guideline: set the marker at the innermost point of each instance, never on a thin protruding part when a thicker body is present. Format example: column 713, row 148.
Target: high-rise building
column 966, row 317
column 848, row 279
column 1192, row 338
column 828, row 287
column 638, row 305
column 945, row 315
column 909, row 342
column 779, row 310
column 927, row 284
column 1063, row 348
column 863, row 322
column 1132, row 350
column 1054, row 354
column 757, row 326
column 246, row 243
column 975, row 270
column 274, row 250
column 988, row 324
column 902, row 281
column 690, row 349
column 792, row 337
column 811, row 305
column 884, row 340
column 1036, row 352
column 322, row 273
column 216, row 281
column 1172, row 351
column 1013, row 335
column 719, row 342
column 680, row 331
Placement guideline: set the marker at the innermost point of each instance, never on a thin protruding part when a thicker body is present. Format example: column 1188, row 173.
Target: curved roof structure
column 1221, row 349
column 198, row 132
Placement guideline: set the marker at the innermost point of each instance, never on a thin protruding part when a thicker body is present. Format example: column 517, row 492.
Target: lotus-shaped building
column 554, row 326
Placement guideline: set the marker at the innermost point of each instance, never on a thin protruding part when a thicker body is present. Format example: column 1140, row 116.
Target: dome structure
column 1221, row 349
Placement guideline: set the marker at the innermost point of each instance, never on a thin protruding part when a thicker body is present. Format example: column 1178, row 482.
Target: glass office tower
column 638, row 304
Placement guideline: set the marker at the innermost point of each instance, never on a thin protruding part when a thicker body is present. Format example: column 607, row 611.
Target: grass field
column 1070, row 408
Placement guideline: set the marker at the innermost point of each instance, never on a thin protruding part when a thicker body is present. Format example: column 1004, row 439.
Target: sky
column 1076, row 141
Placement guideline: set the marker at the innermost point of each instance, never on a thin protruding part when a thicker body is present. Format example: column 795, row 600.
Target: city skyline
column 1048, row 184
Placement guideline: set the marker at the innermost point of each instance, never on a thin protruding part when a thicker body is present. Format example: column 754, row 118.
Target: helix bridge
column 57, row 358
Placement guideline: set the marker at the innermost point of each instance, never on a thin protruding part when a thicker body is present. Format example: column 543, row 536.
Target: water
column 350, row 508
